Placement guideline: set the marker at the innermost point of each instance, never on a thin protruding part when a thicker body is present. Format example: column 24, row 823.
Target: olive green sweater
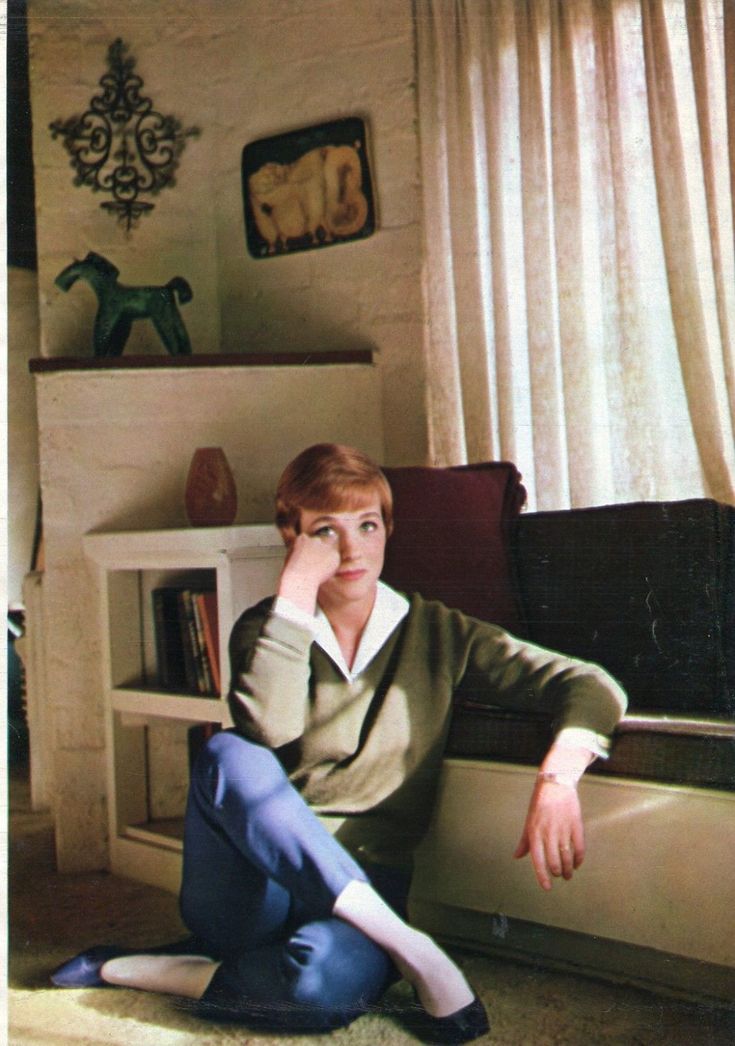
column 368, row 750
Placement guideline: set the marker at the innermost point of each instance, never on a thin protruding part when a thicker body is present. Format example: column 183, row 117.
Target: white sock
column 185, row 975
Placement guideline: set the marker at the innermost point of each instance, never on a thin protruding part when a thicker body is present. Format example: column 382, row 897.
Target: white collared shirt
column 389, row 609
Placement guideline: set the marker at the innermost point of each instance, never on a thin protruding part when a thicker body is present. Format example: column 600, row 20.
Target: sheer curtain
column 580, row 276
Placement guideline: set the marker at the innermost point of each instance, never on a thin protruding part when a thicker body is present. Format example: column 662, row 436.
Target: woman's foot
column 440, row 985
column 463, row 1026
column 451, row 1012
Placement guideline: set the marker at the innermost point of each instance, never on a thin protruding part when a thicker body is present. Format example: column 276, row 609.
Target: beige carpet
column 53, row 916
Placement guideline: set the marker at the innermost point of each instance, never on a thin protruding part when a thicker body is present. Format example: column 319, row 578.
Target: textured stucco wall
column 240, row 70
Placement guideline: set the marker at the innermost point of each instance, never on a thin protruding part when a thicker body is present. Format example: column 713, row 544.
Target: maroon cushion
column 449, row 541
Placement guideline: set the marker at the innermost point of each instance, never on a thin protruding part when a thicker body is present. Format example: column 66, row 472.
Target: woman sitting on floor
column 341, row 696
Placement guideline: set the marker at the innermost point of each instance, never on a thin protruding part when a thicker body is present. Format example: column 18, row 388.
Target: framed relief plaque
column 307, row 189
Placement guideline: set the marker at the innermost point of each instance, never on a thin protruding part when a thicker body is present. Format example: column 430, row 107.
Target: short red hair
column 332, row 477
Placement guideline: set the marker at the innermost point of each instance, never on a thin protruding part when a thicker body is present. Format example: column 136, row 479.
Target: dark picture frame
column 308, row 189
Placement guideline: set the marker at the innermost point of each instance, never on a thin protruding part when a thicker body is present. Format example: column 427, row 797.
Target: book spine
column 210, row 623
column 201, row 687
column 202, row 654
column 188, row 639
column 169, row 648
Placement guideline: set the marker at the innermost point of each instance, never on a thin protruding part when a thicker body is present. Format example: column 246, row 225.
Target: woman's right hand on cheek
column 310, row 562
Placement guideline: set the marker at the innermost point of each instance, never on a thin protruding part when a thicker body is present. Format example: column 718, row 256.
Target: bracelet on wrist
column 561, row 777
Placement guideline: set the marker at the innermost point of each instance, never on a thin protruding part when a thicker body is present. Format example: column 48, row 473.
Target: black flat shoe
column 462, row 1026
column 83, row 971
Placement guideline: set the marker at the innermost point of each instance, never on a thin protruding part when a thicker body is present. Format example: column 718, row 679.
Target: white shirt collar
column 388, row 611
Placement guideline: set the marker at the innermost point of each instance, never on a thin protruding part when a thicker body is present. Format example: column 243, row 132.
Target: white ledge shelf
column 51, row 364
column 165, row 705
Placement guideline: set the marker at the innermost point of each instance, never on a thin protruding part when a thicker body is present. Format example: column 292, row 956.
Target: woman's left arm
column 585, row 704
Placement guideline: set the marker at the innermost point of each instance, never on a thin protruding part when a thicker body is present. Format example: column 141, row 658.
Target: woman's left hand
column 553, row 833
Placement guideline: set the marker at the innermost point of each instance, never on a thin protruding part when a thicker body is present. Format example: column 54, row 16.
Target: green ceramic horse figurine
column 119, row 305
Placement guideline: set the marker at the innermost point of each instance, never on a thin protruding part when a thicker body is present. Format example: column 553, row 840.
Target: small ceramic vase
column 211, row 496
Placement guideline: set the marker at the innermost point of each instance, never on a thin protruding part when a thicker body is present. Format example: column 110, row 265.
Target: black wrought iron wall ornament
column 121, row 145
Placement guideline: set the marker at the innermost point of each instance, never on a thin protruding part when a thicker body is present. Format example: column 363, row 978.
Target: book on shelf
column 204, row 670
column 189, row 639
column 210, row 620
column 187, row 661
column 169, row 641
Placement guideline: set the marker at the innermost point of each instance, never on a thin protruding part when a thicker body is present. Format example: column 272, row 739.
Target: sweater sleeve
column 508, row 673
column 270, row 672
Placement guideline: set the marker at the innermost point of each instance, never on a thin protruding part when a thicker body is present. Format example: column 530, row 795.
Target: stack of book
column 187, row 640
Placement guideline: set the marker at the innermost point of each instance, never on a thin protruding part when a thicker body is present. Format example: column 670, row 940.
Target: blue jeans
column 260, row 878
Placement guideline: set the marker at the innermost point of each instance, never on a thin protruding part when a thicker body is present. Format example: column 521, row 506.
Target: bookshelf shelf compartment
column 151, row 730
column 165, row 832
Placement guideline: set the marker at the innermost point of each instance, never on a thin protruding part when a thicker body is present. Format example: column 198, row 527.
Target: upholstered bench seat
column 670, row 750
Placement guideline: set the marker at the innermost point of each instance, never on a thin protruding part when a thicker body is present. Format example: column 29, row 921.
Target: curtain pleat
column 444, row 397
column 711, row 69
column 579, row 258
column 496, row 67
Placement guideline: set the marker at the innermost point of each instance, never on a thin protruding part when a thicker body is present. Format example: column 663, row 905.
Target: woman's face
column 359, row 535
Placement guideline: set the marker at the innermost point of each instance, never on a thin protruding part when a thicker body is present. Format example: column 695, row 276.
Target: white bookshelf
column 147, row 727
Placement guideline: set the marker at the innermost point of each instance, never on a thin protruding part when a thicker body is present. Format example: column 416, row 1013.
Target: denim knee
column 334, row 971
column 229, row 757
